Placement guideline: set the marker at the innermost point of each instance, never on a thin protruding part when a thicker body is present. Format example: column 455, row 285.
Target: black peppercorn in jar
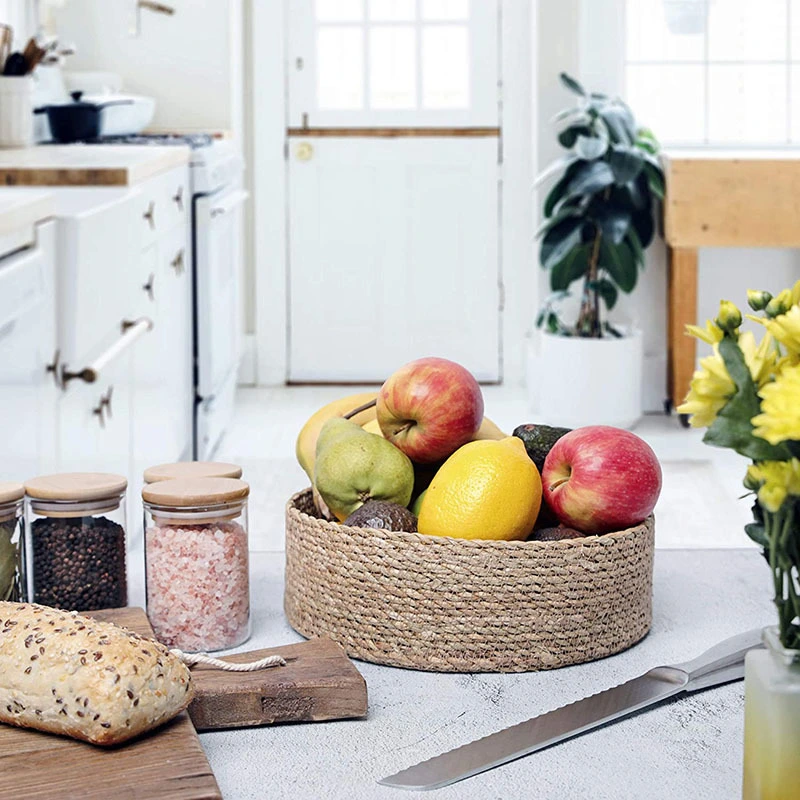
column 11, row 508
column 75, row 543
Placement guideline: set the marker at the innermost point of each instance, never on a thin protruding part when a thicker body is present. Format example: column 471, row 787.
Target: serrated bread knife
column 721, row 664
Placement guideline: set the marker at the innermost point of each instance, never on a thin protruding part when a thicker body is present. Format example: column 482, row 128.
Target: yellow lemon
column 485, row 490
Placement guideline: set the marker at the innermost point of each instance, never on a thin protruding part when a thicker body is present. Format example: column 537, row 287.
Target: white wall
column 570, row 39
column 19, row 14
column 188, row 61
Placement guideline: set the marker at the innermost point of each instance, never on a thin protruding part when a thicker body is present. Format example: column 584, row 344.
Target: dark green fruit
column 556, row 534
column 539, row 440
column 384, row 516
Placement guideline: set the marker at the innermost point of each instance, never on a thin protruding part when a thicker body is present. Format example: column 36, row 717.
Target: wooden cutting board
column 167, row 763
column 318, row 682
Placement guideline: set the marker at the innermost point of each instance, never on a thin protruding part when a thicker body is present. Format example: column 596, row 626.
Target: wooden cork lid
column 76, row 486
column 195, row 492
column 11, row 492
column 191, row 469
column 10, row 495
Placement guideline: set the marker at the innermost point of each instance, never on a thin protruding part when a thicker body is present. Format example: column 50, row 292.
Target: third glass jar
column 196, row 562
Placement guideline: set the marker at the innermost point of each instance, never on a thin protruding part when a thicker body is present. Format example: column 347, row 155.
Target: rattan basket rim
column 592, row 540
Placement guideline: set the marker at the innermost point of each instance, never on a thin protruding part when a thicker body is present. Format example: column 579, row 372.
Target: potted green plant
column 598, row 222
column 747, row 394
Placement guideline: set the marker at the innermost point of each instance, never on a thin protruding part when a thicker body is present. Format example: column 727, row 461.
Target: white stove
column 216, row 168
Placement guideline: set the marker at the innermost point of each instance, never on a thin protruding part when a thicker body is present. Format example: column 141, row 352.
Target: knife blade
column 720, row 664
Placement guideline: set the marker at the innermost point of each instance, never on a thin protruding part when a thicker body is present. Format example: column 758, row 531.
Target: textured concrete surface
column 686, row 748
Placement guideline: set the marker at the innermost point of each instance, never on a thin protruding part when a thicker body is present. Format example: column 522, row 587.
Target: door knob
column 304, row 151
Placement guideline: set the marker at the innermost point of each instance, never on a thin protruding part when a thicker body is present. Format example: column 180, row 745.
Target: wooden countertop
column 21, row 208
column 87, row 164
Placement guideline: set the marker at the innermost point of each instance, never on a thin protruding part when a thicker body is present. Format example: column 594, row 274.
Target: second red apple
column 429, row 408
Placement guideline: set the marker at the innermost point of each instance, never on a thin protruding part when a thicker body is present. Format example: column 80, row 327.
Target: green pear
column 353, row 466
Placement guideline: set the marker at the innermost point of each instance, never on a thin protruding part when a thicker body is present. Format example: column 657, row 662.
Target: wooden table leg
column 681, row 310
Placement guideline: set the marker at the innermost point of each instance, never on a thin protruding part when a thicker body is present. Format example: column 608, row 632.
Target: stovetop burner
column 193, row 140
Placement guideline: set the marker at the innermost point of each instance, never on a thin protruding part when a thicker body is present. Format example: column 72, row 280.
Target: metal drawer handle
column 150, row 215
column 177, row 262
column 103, row 408
column 148, row 287
column 105, row 400
column 52, row 368
column 131, row 331
column 178, row 198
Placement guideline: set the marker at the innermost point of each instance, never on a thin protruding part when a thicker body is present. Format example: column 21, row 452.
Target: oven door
column 218, row 302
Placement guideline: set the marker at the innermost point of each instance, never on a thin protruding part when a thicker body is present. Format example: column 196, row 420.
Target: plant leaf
column 590, row 177
column 559, row 240
column 618, row 261
column 757, row 533
column 655, row 179
column 645, row 227
column 572, row 84
column 570, row 135
column 613, row 221
column 616, row 120
column 606, row 290
column 559, row 190
column 632, row 238
column 570, row 269
column 626, row 163
column 563, row 213
column 590, row 147
column 732, row 428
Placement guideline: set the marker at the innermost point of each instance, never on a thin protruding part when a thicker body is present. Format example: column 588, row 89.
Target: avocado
column 539, row 440
column 384, row 516
column 556, row 534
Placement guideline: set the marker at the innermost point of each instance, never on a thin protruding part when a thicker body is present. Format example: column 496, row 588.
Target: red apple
column 429, row 408
column 599, row 479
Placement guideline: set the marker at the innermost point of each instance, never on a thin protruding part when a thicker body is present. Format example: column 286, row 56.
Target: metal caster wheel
column 684, row 419
column 668, row 406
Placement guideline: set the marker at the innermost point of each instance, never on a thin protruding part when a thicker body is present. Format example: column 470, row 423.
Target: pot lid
column 193, row 492
column 10, row 492
column 76, row 486
column 191, row 469
column 78, row 101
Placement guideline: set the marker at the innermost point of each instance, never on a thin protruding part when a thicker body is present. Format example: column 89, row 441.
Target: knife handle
column 727, row 653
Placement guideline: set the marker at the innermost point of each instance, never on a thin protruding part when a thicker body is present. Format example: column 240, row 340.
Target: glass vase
column 772, row 722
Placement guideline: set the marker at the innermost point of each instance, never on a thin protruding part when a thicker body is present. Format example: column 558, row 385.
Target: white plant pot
column 580, row 382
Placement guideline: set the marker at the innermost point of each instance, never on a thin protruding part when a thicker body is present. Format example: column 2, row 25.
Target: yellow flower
column 775, row 480
column 780, row 304
column 729, row 317
column 796, row 293
column 779, row 420
column 711, row 334
column 785, row 328
column 712, row 387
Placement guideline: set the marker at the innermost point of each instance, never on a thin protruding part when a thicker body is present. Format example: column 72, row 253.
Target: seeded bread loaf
column 65, row 673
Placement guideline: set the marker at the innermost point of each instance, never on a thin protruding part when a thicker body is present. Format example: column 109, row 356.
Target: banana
column 306, row 446
column 488, row 430
column 371, row 426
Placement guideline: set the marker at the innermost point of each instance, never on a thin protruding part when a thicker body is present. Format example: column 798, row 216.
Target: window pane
column 391, row 10
column 668, row 99
column 445, row 9
column 340, row 10
column 445, row 67
column 746, row 30
column 656, row 32
column 794, row 42
column 747, row 104
column 795, row 103
column 393, row 66
column 340, row 67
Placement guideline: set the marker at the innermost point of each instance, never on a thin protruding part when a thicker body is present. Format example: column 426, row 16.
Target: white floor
column 699, row 505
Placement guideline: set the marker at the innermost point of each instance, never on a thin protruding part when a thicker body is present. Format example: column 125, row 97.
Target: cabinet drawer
column 163, row 205
column 176, row 198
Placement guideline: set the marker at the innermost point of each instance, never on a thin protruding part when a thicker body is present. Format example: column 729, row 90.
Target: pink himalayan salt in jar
column 196, row 562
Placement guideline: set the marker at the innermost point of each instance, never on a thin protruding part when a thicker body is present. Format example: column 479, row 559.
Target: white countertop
column 687, row 747
column 21, row 208
column 88, row 164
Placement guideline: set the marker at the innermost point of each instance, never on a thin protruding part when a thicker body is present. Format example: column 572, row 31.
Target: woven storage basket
column 453, row 605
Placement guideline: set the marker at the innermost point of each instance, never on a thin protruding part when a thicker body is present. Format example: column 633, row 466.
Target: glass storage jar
column 75, row 541
column 11, row 514
column 191, row 469
column 772, row 721
column 196, row 562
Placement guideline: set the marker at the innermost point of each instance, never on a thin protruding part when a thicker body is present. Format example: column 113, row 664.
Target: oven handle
column 131, row 331
column 228, row 202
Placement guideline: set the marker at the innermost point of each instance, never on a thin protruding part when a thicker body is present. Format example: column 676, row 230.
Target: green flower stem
column 780, row 530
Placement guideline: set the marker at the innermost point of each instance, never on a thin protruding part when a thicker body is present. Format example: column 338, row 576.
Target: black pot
column 77, row 121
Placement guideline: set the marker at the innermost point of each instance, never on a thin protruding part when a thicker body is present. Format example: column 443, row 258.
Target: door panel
column 393, row 253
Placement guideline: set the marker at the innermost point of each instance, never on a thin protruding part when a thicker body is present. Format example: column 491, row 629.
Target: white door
column 393, row 187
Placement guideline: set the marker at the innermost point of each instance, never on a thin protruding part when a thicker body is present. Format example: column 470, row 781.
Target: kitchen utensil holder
column 458, row 605
column 16, row 111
